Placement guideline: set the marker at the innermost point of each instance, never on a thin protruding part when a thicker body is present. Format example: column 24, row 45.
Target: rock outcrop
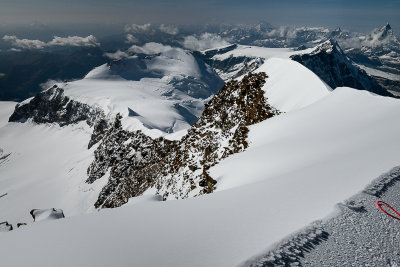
column 179, row 169
column 53, row 106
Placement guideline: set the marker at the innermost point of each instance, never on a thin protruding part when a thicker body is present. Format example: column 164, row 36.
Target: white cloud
column 150, row 48
column 89, row 41
column 24, row 43
column 204, row 41
column 117, row 55
column 137, row 28
column 130, row 39
column 169, row 29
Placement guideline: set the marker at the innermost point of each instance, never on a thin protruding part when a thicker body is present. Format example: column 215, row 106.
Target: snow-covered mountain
column 331, row 64
column 378, row 52
column 257, row 159
column 327, row 60
column 173, row 83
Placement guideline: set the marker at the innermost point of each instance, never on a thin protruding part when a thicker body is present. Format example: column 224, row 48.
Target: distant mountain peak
column 328, row 46
column 338, row 29
column 387, row 27
column 332, row 65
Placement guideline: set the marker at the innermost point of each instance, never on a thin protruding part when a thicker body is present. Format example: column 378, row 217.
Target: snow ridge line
column 380, row 185
column 290, row 251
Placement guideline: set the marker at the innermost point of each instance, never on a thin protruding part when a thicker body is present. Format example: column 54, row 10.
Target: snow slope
column 290, row 85
column 6, row 109
column 43, row 166
column 297, row 167
column 159, row 87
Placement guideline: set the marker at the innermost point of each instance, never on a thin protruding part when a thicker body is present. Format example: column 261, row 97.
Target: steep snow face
column 298, row 166
column 43, row 166
column 6, row 109
column 160, row 87
column 290, row 85
column 344, row 139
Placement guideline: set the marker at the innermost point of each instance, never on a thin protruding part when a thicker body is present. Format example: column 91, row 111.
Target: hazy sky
column 362, row 15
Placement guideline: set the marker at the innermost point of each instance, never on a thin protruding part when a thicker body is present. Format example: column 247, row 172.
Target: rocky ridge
column 179, row 169
column 331, row 64
column 52, row 106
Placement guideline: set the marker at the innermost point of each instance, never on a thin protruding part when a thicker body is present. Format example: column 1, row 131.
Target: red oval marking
column 380, row 203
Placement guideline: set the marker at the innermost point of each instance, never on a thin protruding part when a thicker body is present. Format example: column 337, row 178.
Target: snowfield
column 45, row 168
column 290, row 85
column 159, row 90
column 298, row 166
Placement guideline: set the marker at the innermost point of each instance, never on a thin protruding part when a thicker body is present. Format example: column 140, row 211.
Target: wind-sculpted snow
column 179, row 169
column 359, row 234
column 52, row 106
column 46, row 214
column 381, row 185
column 291, row 251
column 330, row 63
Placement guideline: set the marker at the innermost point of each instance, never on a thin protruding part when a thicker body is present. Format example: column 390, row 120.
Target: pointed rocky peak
column 336, row 31
column 330, row 46
column 385, row 31
column 387, row 27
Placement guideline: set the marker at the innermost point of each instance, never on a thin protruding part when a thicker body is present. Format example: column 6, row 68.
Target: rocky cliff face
column 52, row 106
column 179, row 169
column 330, row 63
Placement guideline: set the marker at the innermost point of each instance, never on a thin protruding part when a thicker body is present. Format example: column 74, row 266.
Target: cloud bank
column 89, row 41
column 130, row 39
column 137, row 28
column 150, row 48
column 24, row 43
column 117, row 55
column 169, row 29
column 204, row 41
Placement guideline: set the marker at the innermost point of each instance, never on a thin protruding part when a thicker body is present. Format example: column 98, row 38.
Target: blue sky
column 351, row 14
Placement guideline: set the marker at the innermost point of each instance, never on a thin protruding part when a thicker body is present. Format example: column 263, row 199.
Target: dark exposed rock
column 179, row 169
column 20, row 224
column 100, row 128
column 331, row 64
column 52, row 106
column 47, row 214
column 5, row 227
